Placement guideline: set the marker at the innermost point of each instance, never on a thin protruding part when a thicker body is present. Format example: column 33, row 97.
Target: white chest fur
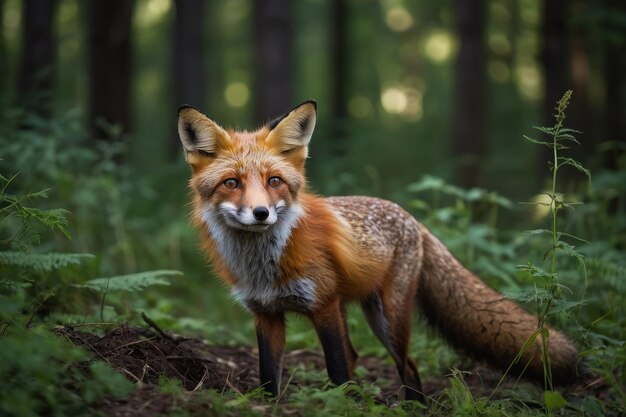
column 254, row 257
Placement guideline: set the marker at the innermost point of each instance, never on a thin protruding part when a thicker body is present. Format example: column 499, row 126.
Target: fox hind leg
column 352, row 355
column 393, row 330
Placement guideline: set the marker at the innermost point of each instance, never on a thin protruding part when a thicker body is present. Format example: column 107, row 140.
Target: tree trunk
column 468, row 139
column 615, row 85
column 555, row 59
column 340, row 59
column 513, row 30
column 188, row 64
column 4, row 67
column 581, row 112
column 615, row 68
column 274, row 55
column 35, row 78
column 109, row 49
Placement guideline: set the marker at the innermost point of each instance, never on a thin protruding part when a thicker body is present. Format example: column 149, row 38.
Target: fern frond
column 45, row 262
column 130, row 282
column 52, row 218
column 14, row 205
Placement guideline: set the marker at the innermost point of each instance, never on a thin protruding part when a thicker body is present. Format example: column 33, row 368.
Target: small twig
column 156, row 327
column 104, row 294
column 129, row 344
column 91, row 324
column 129, row 373
column 93, row 349
column 206, row 372
column 231, row 386
column 192, row 358
column 144, row 371
column 169, row 364
column 155, row 347
column 225, row 383
column 280, row 396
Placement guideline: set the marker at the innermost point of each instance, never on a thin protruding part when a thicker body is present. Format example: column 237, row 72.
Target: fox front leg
column 270, row 333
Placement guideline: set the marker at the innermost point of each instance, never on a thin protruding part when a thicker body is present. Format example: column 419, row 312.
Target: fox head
column 247, row 180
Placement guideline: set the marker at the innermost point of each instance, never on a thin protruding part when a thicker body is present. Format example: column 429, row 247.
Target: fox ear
column 199, row 134
column 293, row 130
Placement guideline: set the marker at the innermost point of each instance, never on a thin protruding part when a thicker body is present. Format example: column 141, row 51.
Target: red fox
column 281, row 249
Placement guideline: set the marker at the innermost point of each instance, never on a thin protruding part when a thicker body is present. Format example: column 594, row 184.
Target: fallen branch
column 156, row 327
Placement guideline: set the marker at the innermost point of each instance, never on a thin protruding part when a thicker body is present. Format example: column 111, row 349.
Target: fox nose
column 261, row 213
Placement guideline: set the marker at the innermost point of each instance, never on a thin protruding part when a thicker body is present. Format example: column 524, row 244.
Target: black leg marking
column 269, row 366
column 393, row 332
column 335, row 354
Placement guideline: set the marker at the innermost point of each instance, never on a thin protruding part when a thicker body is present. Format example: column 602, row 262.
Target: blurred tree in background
column 36, row 61
column 615, row 68
column 109, row 49
column 469, row 89
column 554, row 56
column 273, row 65
column 188, row 65
column 340, row 60
column 432, row 87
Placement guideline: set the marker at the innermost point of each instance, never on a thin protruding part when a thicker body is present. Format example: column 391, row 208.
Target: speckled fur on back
column 313, row 255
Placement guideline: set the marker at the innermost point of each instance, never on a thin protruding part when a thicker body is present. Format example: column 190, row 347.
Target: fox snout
column 255, row 219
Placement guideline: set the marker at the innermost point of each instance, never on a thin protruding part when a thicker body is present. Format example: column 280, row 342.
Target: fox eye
column 231, row 183
column 274, row 182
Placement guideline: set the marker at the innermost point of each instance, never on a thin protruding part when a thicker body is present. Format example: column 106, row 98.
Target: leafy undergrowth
column 175, row 375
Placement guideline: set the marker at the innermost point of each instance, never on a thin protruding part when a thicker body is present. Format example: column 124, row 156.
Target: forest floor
column 149, row 356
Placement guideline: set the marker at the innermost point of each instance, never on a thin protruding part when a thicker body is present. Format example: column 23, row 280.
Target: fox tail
column 478, row 320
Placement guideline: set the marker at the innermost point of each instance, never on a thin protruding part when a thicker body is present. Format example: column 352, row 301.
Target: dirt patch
column 144, row 355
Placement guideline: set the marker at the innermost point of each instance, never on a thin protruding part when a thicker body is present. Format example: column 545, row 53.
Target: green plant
column 463, row 403
column 350, row 399
column 20, row 221
column 547, row 291
column 128, row 283
column 44, row 374
column 467, row 222
column 41, row 373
